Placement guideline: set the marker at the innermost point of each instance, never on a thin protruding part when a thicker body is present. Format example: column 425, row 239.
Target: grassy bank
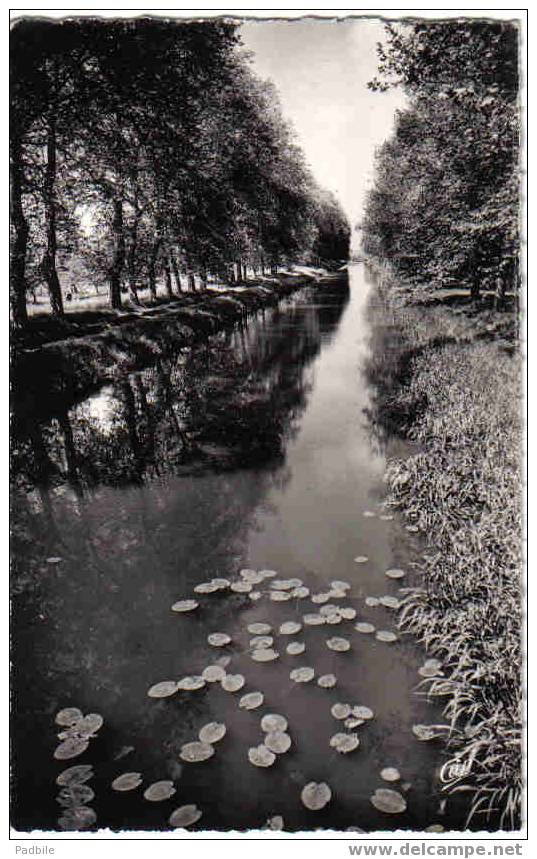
column 458, row 386
column 59, row 361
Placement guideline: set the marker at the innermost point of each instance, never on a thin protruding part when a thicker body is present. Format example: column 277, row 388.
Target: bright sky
column 321, row 68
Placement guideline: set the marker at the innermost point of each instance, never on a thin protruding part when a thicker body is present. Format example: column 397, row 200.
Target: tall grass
column 463, row 490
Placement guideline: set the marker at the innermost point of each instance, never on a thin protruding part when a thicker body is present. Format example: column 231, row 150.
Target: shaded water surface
column 255, row 450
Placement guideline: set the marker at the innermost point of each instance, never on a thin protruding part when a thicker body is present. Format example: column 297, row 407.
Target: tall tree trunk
column 168, row 276
column 131, row 259
column 49, row 260
column 116, row 268
column 152, row 267
column 191, row 282
column 17, row 280
column 203, row 279
column 175, row 269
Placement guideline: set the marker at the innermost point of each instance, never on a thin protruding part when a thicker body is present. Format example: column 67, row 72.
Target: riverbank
column 456, row 392
column 59, row 361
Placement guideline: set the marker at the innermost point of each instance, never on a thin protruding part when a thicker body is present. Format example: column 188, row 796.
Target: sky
column 321, row 68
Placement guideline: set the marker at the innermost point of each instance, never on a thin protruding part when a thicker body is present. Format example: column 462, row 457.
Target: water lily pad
column 295, row 648
column 262, row 642
column 185, row 605
column 338, row 585
column 372, row 602
column 185, row 816
column 278, row 742
column 163, row 689
column 364, row 627
column 313, row 619
column 316, row 795
column 259, row 628
column 196, row 752
column 394, row 573
column 340, row 645
column 252, row 576
column 255, row 595
column 389, row 602
column 390, row 774
column 327, row 610
column 353, row 723
column 72, row 747
column 213, row 673
column 75, row 795
column 219, row 639
column 260, row 756
column 320, row 598
column 385, row 635
column 206, row 588
column 273, row 722
column 433, row 663
column 280, row 596
column 268, row 574
column 347, row 613
column 221, row 584
column 429, row 671
column 344, row 743
column 412, row 528
column 341, row 711
column 327, row 681
column 213, row 732
column 241, row 587
column 300, row 593
column 302, row 675
column 54, row 559
column 75, row 775
column 127, row 781
column 337, row 594
column 290, row 627
column 283, row 584
column 191, row 684
column 251, row 701
column 362, row 712
column 233, row 682
column 434, row 827
column 388, row 801
column 264, row 654
column 68, row 716
column 159, row 791
column 77, row 819
column 333, row 619
column 424, row 732
column 275, row 824
column 361, row 559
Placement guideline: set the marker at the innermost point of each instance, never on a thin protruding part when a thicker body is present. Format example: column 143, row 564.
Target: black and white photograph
column 267, row 340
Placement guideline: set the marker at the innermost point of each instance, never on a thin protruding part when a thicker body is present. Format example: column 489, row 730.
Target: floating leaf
column 361, row 559
column 425, row 732
column 252, row 576
column 255, row 595
column 75, row 795
column 327, row 681
column 261, row 641
column 341, row 711
column 300, row 593
column 302, row 675
column 284, row 584
column 206, row 588
column 268, row 574
column 389, row 602
column 233, row 682
column 221, row 584
column 71, row 748
column 432, row 663
column 412, row 528
column 273, row 722
column 259, row 628
column 352, row 723
column 362, row 712
column 340, row 645
column 429, row 671
column 347, row 613
column 213, row 673
column 190, row 684
column 75, row 775
column 54, row 560
column 159, row 791
column 241, row 587
column 372, row 601
column 388, row 801
column 77, row 819
column 344, row 743
column 434, row 827
column 394, row 574
column 278, row 742
column 275, row 824
column 327, row 610
column 313, row 619
column 338, row 585
column 320, row 598
column 213, row 732
column 385, row 635
column 295, row 648
column 127, row 781
column 264, row 654
column 390, row 774
column 295, row 583
column 184, row 816
column 260, row 756
column 280, row 596
column 364, row 627
column 334, row 619
column 185, row 605
column 219, row 639
column 368, row 514
column 290, row 627
column 68, row 716
column 247, row 573
column 251, row 700
column 196, row 752
column 316, row 795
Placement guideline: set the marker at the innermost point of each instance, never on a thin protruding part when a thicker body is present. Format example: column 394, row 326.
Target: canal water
column 259, row 449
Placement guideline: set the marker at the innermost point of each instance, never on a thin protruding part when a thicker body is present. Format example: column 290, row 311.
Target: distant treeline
column 444, row 209
column 145, row 150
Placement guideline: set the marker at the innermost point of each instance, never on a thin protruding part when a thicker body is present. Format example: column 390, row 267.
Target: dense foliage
column 444, row 207
column 146, row 150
